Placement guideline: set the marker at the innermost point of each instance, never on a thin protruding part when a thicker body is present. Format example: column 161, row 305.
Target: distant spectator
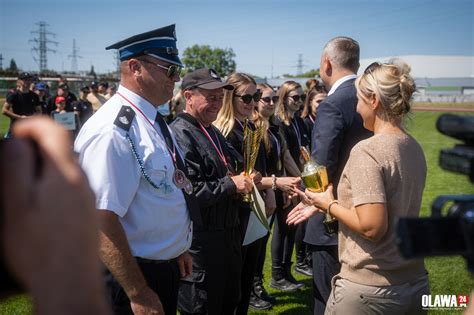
column 102, row 88
column 63, row 90
column 22, row 103
column 61, row 109
column 313, row 98
column 60, row 103
column 96, row 99
column 111, row 90
column 82, row 106
column 311, row 83
column 41, row 92
column 47, row 92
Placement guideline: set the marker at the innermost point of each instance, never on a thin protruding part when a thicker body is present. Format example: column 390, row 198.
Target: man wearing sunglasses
column 337, row 128
column 140, row 180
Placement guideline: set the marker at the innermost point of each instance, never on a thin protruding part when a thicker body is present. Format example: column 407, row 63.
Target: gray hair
column 343, row 52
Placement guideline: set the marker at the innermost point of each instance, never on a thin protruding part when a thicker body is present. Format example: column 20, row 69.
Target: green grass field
column 448, row 275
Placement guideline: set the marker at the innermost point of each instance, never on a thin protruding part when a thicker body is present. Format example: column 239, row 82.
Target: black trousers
column 325, row 266
column 300, row 245
column 162, row 278
column 214, row 286
column 283, row 240
column 250, row 254
column 261, row 257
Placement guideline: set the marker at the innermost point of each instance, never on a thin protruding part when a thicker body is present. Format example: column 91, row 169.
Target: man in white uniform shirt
column 133, row 165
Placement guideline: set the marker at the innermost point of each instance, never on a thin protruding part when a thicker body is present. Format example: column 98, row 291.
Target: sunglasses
column 370, row 68
column 171, row 71
column 296, row 98
column 267, row 99
column 247, row 98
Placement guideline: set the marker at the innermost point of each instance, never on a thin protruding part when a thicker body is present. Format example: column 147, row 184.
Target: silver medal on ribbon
column 179, row 178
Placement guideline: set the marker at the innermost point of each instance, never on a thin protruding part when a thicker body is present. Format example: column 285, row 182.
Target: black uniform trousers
column 214, row 287
column 163, row 278
column 325, row 266
column 250, row 255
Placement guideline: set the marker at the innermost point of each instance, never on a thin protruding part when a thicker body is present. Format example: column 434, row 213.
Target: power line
column 41, row 45
column 74, row 56
column 299, row 65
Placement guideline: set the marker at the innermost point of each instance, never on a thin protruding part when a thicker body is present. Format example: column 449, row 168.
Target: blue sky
column 262, row 33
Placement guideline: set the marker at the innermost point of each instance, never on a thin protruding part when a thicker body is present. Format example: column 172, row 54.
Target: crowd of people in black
column 32, row 96
column 174, row 226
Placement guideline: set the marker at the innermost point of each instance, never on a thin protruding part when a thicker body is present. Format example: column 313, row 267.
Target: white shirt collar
column 340, row 81
column 146, row 107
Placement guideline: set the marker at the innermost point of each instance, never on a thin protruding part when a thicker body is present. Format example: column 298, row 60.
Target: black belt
column 153, row 261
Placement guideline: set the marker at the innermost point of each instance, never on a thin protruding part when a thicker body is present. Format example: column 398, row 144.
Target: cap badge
column 213, row 74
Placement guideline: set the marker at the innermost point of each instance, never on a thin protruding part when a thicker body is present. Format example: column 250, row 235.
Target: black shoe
column 304, row 269
column 260, row 292
column 283, row 285
column 290, row 278
column 258, row 304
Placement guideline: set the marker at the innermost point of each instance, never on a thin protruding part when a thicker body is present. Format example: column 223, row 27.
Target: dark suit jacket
column 337, row 128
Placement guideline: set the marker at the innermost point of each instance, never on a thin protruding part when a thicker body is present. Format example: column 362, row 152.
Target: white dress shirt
column 340, row 81
column 156, row 221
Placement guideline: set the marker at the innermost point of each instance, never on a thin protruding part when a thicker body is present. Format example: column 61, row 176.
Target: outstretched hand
column 300, row 213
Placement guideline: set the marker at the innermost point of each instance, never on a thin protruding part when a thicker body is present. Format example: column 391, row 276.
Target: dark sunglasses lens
column 372, row 67
column 173, row 70
column 303, row 97
column 256, row 97
column 247, row 98
column 275, row 99
column 266, row 99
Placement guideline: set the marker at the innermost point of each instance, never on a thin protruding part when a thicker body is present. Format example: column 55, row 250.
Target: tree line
column 194, row 57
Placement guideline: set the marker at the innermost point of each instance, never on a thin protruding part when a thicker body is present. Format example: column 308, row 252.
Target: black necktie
column 169, row 141
column 194, row 212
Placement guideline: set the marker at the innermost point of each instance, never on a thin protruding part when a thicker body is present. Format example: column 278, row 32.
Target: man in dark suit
column 337, row 128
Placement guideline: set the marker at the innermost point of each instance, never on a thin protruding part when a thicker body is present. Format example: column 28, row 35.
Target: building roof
column 425, row 66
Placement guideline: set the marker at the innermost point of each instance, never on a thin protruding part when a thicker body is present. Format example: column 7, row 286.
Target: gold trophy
column 315, row 178
column 252, row 140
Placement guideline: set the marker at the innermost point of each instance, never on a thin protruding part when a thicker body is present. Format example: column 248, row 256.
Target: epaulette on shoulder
column 124, row 118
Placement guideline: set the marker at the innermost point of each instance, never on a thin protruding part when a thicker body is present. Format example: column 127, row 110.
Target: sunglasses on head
column 296, row 98
column 372, row 67
column 267, row 99
column 247, row 98
column 171, row 70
